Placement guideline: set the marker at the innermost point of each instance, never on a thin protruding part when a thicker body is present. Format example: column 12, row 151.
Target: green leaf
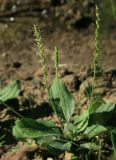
column 11, row 91
column 57, row 108
column 90, row 146
column 88, row 90
column 2, row 140
column 95, row 104
column 69, row 130
column 29, row 128
column 81, row 122
column 45, row 139
column 108, row 107
column 113, row 131
column 58, row 147
column 102, row 114
column 65, row 101
column 113, row 140
column 94, row 130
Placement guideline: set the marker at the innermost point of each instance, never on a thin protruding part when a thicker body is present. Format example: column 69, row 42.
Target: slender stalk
column 79, row 105
column 99, row 151
column 57, row 73
column 10, row 108
column 113, row 7
column 86, row 157
column 41, row 54
column 97, row 49
column 57, row 76
column 113, row 144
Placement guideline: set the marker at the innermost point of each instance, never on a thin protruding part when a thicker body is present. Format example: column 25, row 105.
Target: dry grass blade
column 20, row 153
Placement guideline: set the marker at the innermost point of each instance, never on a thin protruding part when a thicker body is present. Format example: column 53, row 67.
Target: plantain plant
column 77, row 134
column 68, row 134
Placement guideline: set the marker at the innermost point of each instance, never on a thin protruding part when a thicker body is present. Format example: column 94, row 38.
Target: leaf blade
column 94, row 130
column 11, row 91
column 65, row 106
column 81, row 122
column 57, row 147
column 29, row 128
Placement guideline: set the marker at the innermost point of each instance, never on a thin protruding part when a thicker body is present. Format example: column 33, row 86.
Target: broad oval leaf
column 102, row 114
column 65, row 101
column 94, row 130
column 11, row 91
column 58, row 147
column 29, row 128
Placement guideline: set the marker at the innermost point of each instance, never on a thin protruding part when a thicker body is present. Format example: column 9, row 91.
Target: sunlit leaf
column 108, row 107
column 81, row 121
column 94, row 130
column 95, row 104
column 11, row 91
column 65, row 101
column 29, row 128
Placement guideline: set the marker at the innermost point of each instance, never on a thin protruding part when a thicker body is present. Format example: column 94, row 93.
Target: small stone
column 50, row 159
column 4, row 54
column 68, row 156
